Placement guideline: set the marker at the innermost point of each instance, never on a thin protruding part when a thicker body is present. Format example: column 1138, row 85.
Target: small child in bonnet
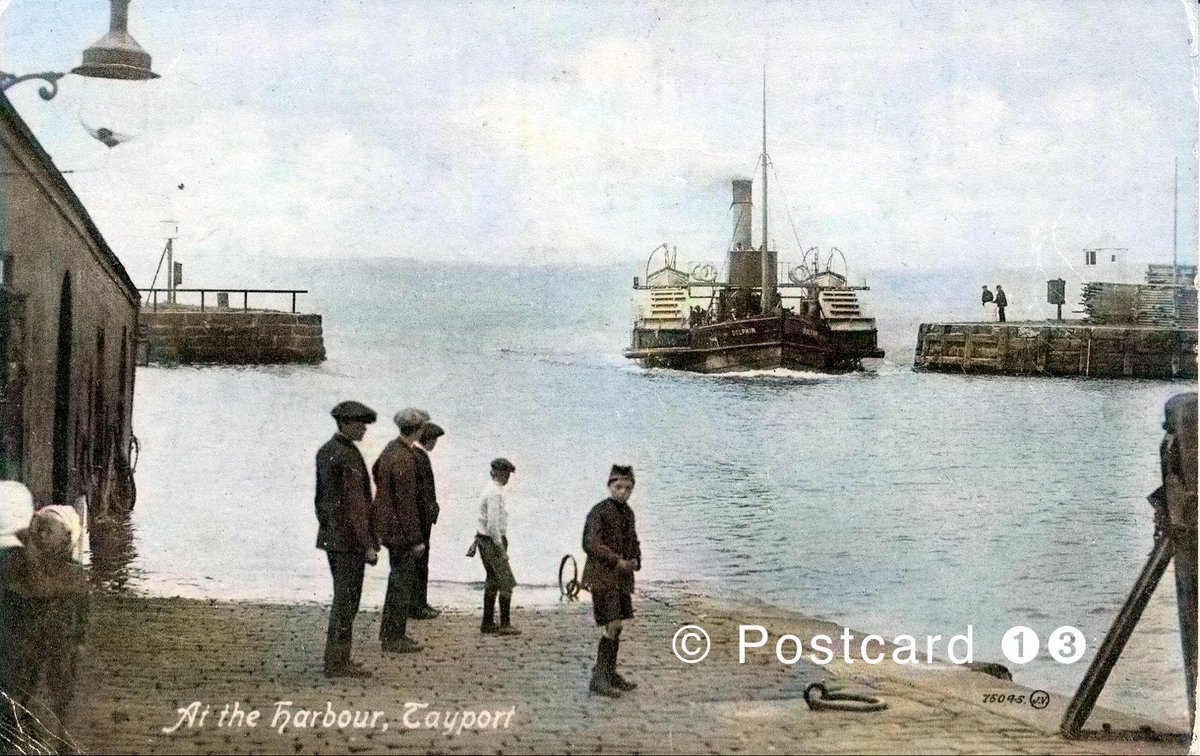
column 47, row 600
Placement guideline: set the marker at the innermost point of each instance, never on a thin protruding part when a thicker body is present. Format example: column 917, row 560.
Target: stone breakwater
column 185, row 676
column 1057, row 348
column 225, row 337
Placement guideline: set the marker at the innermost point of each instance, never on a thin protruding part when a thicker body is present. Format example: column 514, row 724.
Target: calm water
column 889, row 501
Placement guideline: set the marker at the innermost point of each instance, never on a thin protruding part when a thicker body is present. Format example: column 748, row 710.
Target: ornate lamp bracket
column 7, row 80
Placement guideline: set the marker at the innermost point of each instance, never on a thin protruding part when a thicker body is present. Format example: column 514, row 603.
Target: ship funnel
column 745, row 262
column 743, row 208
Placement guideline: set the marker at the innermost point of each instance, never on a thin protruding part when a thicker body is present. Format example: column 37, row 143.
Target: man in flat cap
column 344, row 530
column 491, row 540
column 398, row 525
column 613, row 555
column 419, row 607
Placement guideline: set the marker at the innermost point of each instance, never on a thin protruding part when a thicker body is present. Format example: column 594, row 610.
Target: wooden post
column 202, row 300
column 1175, row 519
column 293, row 302
column 1110, row 650
column 245, row 300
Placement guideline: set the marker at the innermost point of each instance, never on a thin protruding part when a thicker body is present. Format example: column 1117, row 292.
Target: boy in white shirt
column 491, row 539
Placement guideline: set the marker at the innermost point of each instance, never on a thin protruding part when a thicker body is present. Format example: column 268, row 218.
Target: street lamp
column 116, row 55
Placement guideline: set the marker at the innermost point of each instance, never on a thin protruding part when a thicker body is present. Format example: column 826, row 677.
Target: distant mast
column 768, row 265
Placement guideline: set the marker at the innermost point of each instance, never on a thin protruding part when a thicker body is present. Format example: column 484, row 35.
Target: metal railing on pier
column 222, row 296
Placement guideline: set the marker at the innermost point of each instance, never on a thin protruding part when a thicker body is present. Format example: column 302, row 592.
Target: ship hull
column 766, row 343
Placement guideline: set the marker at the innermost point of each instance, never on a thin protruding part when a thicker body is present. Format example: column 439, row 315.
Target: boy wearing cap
column 491, row 540
column 398, row 524
column 419, row 607
column 344, row 530
column 613, row 555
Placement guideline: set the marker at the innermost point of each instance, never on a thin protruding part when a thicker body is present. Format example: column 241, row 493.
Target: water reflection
column 113, row 552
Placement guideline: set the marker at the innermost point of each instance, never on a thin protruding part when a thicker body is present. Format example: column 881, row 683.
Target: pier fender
column 820, row 698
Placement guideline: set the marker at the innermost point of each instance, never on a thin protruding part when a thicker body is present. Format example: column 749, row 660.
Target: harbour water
column 890, row 501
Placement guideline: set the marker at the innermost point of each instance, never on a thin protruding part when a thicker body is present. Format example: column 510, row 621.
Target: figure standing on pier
column 613, row 555
column 987, row 299
column 419, row 606
column 1001, row 302
column 344, row 530
column 398, row 525
column 491, row 540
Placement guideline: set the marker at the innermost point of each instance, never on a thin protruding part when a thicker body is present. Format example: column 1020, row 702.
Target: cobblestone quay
column 185, row 676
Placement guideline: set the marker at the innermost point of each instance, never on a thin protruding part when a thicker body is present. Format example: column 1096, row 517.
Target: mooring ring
column 570, row 589
column 852, row 702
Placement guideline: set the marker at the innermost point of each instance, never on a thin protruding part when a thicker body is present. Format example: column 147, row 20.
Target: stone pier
column 1057, row 348
column 229, row 337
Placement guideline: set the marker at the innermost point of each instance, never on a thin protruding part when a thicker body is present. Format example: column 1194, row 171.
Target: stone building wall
column 68, row 325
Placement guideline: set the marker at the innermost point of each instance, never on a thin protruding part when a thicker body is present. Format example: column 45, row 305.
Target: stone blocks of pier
column 1057, row 348
column 223, row 337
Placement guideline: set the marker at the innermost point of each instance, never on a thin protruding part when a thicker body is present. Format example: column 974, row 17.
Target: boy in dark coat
column 419, row 607
column 344, row 530
column 398, row 525
column 613, row 555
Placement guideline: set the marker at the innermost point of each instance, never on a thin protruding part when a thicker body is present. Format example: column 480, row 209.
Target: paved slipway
column 155, row 664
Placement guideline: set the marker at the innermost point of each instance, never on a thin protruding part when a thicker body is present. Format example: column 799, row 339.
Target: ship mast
column 768, row 265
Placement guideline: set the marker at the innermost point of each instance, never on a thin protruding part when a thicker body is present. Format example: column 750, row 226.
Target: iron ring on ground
column 570, row 588
column 852, row 702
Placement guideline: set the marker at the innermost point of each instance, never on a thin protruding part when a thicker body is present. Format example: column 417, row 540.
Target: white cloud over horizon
column 907, row 134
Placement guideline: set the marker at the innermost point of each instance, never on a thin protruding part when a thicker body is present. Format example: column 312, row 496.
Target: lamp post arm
column 7, row 80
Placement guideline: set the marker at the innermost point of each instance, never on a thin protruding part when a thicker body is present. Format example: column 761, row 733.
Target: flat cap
column 410, row 417
column 352, row 410
column 431, row 431
column 500, row 464
column 620, row 471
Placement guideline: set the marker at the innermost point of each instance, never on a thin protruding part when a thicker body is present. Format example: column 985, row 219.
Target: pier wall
column 1057, row 349
column 230, row 337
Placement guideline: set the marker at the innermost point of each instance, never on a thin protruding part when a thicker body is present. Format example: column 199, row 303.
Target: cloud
column 910, row 131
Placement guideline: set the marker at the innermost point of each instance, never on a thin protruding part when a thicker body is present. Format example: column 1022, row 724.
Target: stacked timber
column 1165, row 275
column 1161, row 305
column 1057, row 349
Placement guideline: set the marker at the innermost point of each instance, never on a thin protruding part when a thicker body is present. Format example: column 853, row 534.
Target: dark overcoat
column 398, row 496
column 429, row 504
column 609, row 535
column 343, row 498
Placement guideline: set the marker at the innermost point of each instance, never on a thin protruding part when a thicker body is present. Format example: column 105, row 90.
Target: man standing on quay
column 344, row 530
column 613, row 555
column 1001, row 302
column 419, row 607
column 398, row 525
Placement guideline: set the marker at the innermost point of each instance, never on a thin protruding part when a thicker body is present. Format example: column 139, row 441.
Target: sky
column 907, row 134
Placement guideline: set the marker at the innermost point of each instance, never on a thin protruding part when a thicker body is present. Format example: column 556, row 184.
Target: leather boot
column 506, row 627
column 489, row 612
column 601, row 685
column 618, row 682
